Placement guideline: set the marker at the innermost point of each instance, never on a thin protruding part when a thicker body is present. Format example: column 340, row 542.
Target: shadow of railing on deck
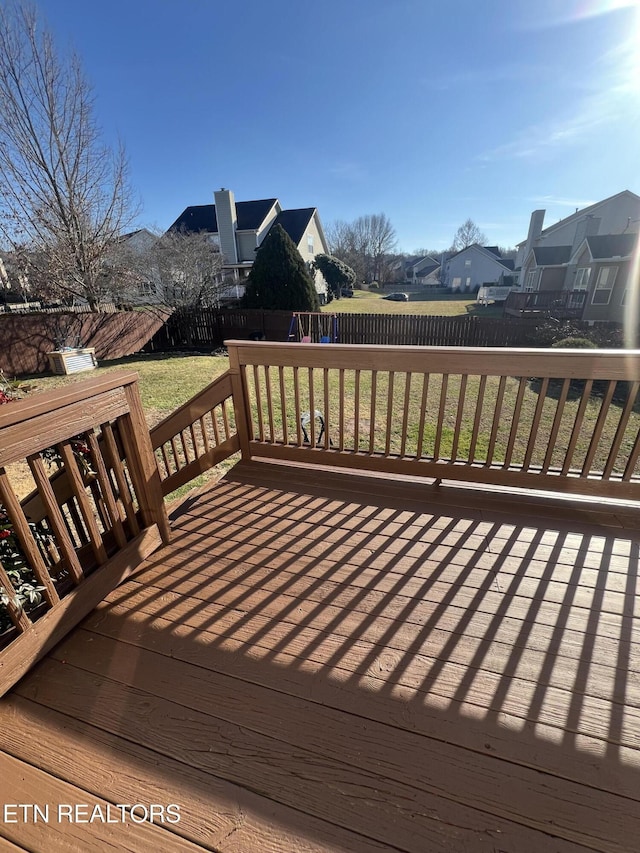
column 476, row 630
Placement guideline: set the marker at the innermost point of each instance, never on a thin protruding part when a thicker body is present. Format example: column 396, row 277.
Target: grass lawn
column 440, row 304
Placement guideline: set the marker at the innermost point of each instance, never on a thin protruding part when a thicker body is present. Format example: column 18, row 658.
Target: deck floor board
column 325, row 662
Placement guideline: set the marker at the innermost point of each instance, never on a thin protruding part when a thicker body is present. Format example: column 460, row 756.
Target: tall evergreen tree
column 279, row 278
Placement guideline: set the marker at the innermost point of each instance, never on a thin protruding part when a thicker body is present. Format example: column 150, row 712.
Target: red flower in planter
column 5, row 534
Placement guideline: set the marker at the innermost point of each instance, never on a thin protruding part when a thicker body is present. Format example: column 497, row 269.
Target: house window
column 604, row 285
column 582, row 278
column 531, row 283
column 456, row 284
column 310, row 243
column 467, row 263
column 468, row 285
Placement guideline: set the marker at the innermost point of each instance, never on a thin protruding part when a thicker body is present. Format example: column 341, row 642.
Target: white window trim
column 607, row 287
column 583, row 274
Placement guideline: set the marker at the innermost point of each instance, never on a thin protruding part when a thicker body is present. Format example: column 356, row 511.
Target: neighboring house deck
column 345, row 660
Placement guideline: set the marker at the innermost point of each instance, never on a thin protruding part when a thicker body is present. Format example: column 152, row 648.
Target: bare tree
column 64, row 194
column 468, row 234
column 364, row 245
column 189, row 270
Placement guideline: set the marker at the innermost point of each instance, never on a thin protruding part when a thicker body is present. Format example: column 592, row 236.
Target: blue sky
column 430, row 112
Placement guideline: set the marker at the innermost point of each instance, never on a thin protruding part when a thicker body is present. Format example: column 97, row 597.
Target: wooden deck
column 328, row 662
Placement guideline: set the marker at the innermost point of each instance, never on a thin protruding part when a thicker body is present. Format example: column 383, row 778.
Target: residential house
column 424, row 271
column 583, row 262
column 471, row 268
column 239, row 227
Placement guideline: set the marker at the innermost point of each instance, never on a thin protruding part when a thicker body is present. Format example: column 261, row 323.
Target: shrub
column 574, row 343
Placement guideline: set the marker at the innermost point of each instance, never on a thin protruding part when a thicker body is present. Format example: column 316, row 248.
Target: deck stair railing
column 94, row 511
column 197, row 436
column 560, row 420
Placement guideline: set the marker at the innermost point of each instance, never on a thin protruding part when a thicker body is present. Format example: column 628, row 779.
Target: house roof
column 295, row 222
column 489, row 252
column 585, row 211
column 551, row 256
column 202, row 217
column 611, row 245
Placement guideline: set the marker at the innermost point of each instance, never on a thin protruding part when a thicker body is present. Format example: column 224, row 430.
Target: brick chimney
column 227, row 224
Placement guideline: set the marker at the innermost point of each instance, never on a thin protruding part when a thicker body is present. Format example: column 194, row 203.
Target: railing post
column 240, row 402
column 137, row 439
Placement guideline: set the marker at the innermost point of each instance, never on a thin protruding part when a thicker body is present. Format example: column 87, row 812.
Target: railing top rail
column 478, row 361
column 51, row 401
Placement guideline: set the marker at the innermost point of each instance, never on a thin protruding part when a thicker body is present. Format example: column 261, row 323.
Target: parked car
column 347, row 291
column 397, row 297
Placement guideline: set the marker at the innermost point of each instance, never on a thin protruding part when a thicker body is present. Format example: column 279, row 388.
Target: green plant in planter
column 28, row 593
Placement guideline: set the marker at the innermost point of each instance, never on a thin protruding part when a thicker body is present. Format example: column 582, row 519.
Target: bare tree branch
column 468, row 234
column 64, row 195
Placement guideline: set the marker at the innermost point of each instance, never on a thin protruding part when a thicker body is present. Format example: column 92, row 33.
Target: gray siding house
column 471, row 268
column 589, row 254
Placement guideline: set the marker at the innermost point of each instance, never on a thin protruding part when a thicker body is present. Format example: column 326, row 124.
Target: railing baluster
column 620, row 431
column 458, row 425
column 256, row 385
column 356, row 413
column 387, row 442
column 205, row 436
column 283, row 407
column 477, row 418
column 405, row 418
column 312, row 409
column 515, row 422
column 296, row 397
column 633, row 459
column 55, row 516
column 577, row 426
column 116, row 466
column 496, row 419
column 16, row 612
column 372, row 410
column 341, row 409
column 22, row 530
column 557, row 420
column 86, row 509
column 267, row 383
column 326, row 408
column 107, row 493
column 440, row 422
column 597, row 432
column 423, row 414
column 535, row 423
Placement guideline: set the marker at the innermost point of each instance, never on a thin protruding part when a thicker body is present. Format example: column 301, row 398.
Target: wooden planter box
column 72, row 360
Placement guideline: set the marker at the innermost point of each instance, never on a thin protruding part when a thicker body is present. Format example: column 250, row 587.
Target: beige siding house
column 239, row 227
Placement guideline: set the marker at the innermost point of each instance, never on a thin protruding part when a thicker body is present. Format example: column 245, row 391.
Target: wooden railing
column 94, row 513
column 560, row 420
column 196, row 436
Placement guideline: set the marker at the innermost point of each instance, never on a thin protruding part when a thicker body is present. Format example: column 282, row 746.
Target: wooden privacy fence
column 25, row 339
column 94, row 513
column 208, row 328
column 561, row 420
